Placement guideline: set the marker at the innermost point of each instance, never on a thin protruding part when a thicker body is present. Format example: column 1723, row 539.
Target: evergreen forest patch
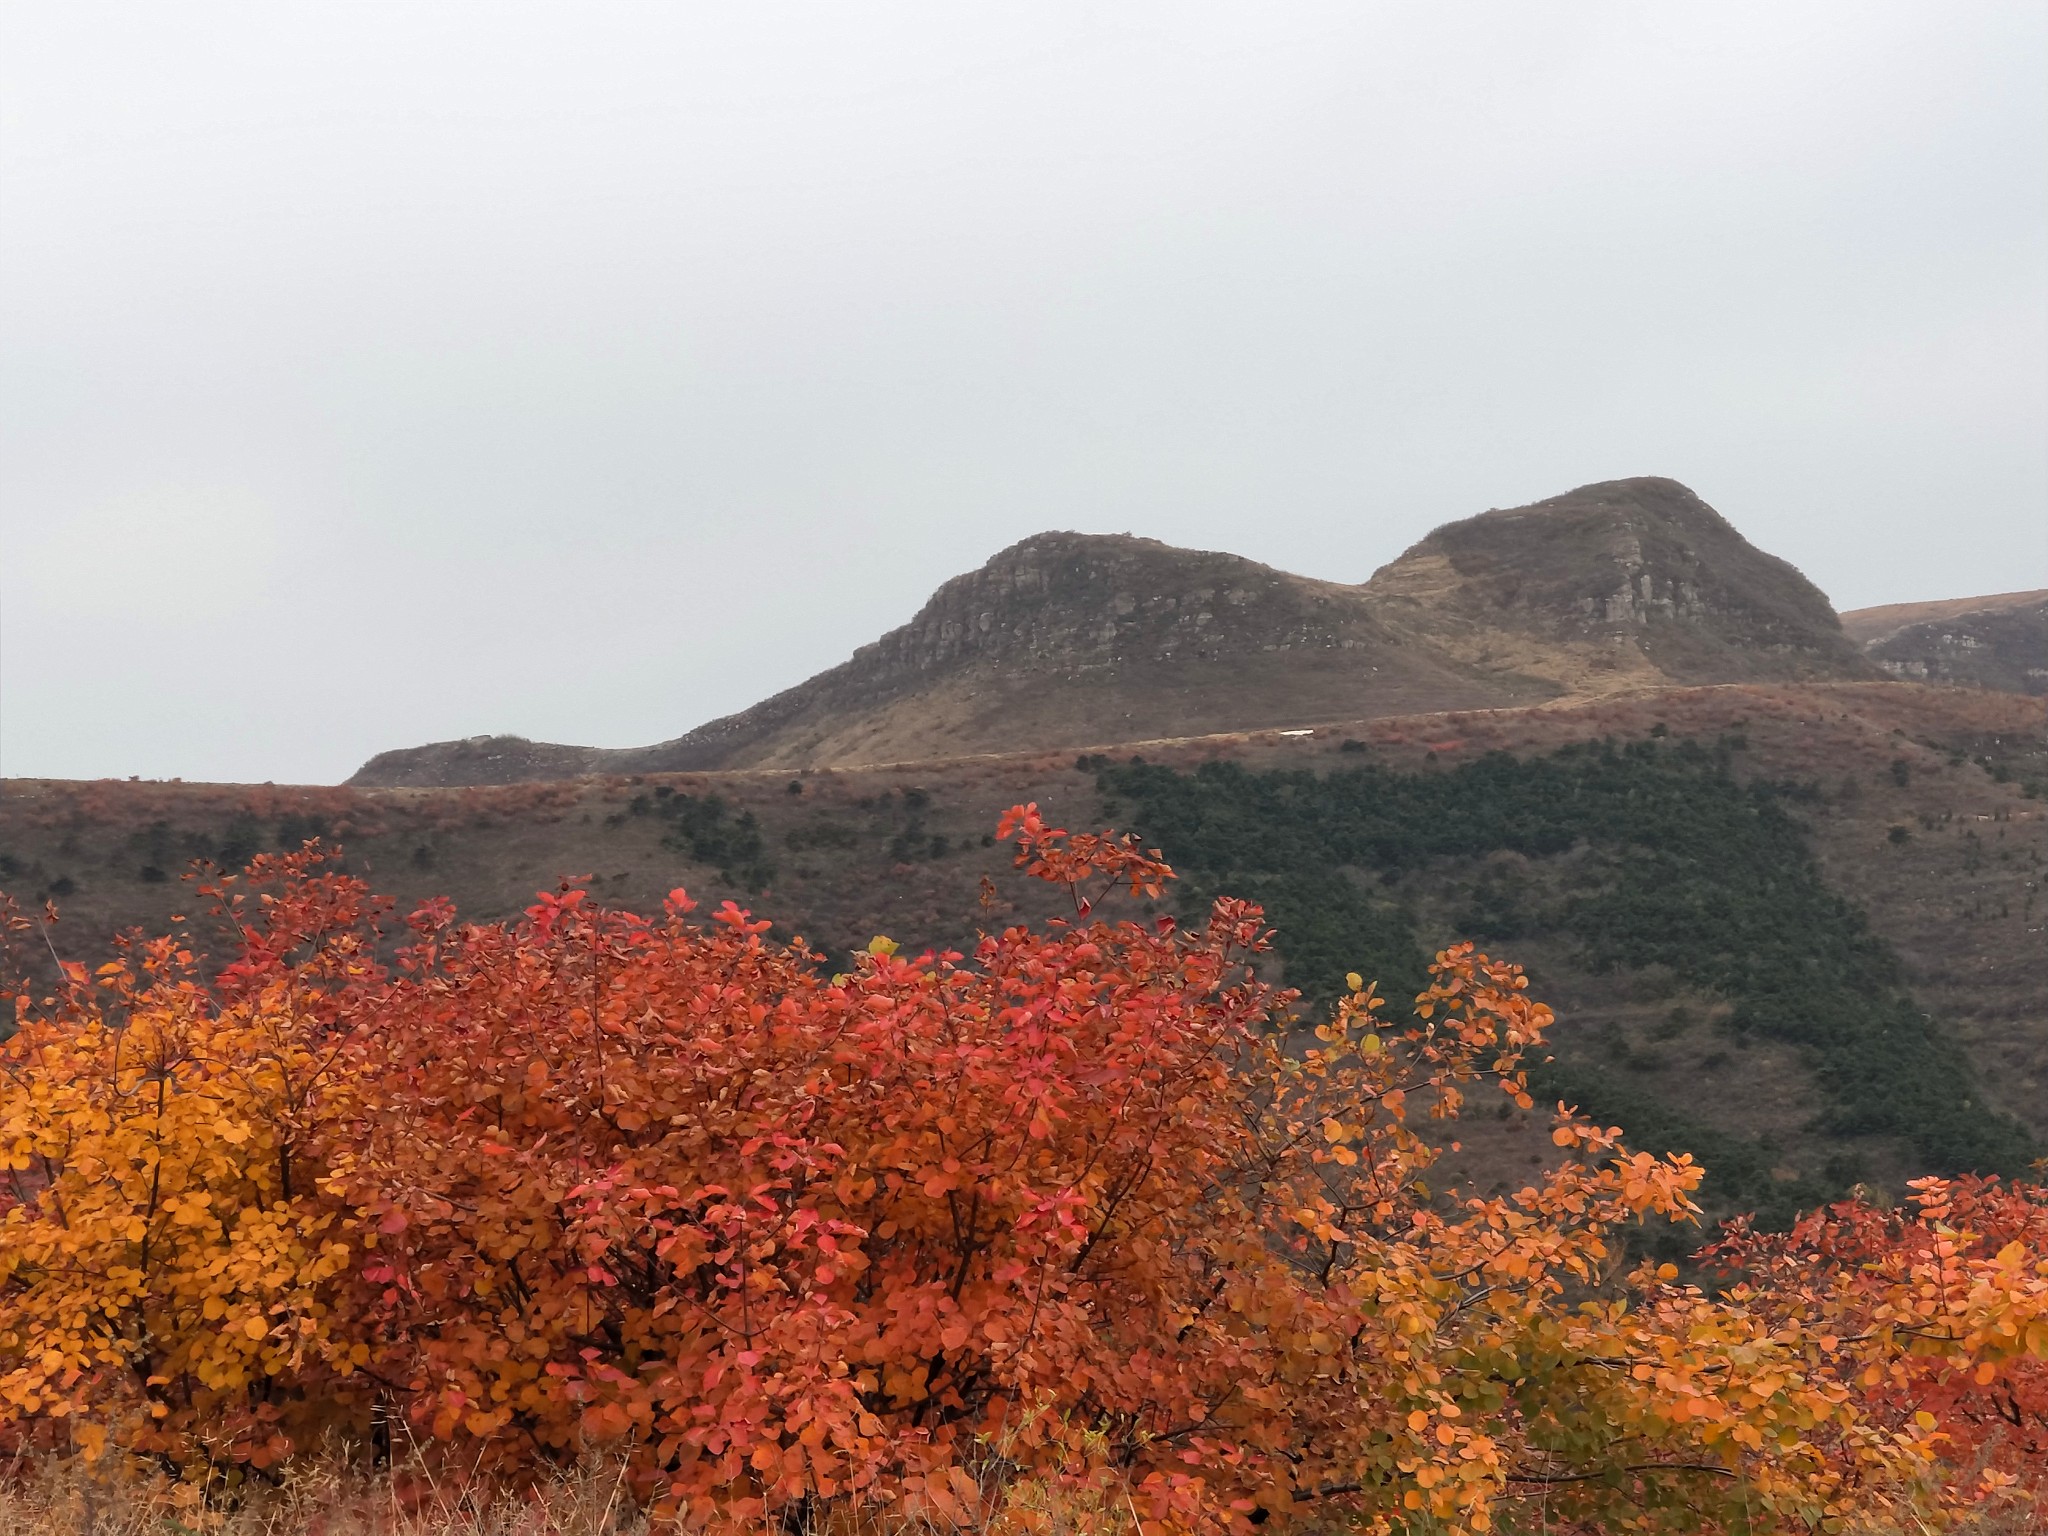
column 1678, row 864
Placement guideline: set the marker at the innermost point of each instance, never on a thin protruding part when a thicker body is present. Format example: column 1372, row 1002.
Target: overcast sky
column 380, row 373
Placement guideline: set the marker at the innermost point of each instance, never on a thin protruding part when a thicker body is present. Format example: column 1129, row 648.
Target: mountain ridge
column 1066, row 639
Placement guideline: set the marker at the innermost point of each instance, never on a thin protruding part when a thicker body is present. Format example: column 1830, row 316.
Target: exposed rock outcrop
column 1071, row 639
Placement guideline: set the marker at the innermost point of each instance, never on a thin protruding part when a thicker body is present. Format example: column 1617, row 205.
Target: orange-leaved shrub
column 1943, row 1303
column 1090, row 1207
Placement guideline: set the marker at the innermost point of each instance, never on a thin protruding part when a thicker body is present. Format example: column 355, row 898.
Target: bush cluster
column 800, row 1250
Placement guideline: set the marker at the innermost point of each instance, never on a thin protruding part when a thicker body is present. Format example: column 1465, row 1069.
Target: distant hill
column 1065, row 638
column 1073, row 640
column 1868, row 626
column 1977, row 642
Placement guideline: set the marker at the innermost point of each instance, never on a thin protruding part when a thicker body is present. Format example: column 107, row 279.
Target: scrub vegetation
column 1660, row 858
column 1082, row 1230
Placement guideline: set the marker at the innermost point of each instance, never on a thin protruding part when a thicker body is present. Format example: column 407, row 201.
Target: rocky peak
column 1070, row 602
column 1643, row 562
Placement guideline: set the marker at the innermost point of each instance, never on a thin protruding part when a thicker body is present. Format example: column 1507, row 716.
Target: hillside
column 1071, row 640
column 1789, row 905
column 1914, row 815
column 2004, row 648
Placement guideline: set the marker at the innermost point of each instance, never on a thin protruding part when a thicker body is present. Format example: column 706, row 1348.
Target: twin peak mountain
column 1072, row 640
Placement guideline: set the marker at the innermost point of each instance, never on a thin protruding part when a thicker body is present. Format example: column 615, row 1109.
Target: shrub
column 793, row 1245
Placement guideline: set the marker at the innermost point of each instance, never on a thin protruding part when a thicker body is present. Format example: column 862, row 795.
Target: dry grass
column 63, row 1499
column 332, row 1497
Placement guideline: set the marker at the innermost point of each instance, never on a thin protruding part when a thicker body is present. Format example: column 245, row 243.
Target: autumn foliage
column 1947, row 1296
column 1092, row 1209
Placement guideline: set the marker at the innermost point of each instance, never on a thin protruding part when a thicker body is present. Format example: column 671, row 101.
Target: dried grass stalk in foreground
column 318, row 1497
column 323, row 1497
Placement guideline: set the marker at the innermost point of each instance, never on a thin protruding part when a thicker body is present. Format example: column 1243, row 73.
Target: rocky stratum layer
column 1071, row 640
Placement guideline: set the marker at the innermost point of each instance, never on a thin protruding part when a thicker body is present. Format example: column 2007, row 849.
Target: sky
column 380, row 373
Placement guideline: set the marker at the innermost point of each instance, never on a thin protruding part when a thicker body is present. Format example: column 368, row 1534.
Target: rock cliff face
column 1072, row 640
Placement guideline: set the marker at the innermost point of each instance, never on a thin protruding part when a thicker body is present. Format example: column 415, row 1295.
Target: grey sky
column 379, row 373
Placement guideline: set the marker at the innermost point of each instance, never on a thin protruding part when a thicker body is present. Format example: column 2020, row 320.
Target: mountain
column 1996, row 642
column 1063, row 639
column 1071, row 640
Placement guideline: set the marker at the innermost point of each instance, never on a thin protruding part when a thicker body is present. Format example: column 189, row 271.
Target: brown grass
column 62, row 1497
column 325, row 1499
